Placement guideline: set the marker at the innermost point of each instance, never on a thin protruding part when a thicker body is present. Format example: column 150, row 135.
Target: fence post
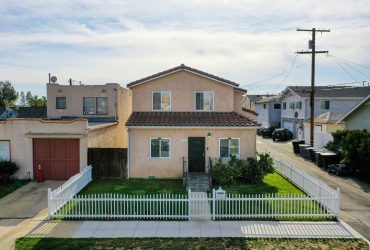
column 49, row 203
column 213, row 204
column 338, row 202
column 189, row 203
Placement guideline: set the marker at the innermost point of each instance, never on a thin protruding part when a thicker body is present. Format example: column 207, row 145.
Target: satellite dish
column 53, row 79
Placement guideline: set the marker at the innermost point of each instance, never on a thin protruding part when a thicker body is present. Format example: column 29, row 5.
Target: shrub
column 252, row 170
column 7, row 169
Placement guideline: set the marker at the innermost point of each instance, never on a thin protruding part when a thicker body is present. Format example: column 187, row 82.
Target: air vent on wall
column 103, row 90
column 59, row 91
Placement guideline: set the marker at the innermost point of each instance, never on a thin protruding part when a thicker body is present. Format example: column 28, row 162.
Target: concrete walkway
column 251, row 229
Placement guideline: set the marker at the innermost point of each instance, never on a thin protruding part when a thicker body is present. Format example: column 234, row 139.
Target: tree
column 28, row 98
column 22, row 101
column 8, row 95
column 36, row 101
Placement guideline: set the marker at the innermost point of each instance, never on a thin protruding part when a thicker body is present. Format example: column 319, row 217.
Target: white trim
column 195, row 101
column 161, row 110
column 154, row 78
column 194, row 127
column 160, row 157
column 353, row 109
column 219, row 147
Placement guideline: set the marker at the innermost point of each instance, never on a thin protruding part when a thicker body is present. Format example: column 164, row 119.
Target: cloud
column 121, row 41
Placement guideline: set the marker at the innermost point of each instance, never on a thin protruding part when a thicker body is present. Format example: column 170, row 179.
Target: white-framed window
column 161, row 101
column 61, row 102
column 160, row 147
column 325, row 105
column 264, row 106
column 298, row 105
column 101, row 105
column 277, row 106
column 229, row 147
column 292, row 105
column 89, row 105
column 284, row 105
column 5, row 151
column 204, row 101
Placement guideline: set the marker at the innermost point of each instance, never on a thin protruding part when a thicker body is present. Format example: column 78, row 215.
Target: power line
column 359, row 71
column 346, row 71
column 366, row 67
column 270, row 78
column 287, row 74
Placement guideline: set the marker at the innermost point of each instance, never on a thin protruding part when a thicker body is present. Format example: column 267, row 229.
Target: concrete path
column 200, row 207
column 355, row 195
column 22, row 211
column 251, row 229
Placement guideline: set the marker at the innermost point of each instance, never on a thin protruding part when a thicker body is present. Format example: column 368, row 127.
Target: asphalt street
column 355, row 194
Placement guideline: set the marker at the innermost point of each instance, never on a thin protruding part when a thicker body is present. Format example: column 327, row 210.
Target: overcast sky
column 121, row 41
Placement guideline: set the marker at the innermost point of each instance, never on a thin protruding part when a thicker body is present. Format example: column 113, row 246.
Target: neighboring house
column 295, row 103
column 249, row 101
column 325, row 124
column 269, row 111
column 181, row 119
column 77, row 118
column 358, row 117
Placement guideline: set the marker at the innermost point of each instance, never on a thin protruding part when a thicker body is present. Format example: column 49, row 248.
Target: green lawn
column 134, row 186
column 187, row 243
column 272, row 183
column 12, row 186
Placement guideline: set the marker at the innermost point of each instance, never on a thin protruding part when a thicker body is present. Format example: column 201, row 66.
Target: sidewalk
column 250, row 229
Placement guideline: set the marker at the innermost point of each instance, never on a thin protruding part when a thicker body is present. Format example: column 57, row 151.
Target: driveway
column 23, row 210
column 355, row 195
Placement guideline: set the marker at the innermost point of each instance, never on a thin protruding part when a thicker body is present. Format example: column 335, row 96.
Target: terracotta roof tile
column 190, row 119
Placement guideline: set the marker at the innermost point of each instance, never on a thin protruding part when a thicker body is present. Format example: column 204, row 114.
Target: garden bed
column 11, row 187
column 188, row 243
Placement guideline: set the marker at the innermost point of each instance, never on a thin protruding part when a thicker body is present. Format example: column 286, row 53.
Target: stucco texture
column 142, row 166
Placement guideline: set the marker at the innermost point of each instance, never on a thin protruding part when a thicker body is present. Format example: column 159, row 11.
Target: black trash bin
column 295, row 144
column 329, row 158
column 302, row 147
column 308, row 153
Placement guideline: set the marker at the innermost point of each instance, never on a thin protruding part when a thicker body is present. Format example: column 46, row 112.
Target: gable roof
column 327, row 118
column 330, row 91
column 2, row 109
column 31, row 112
column 182, row 67
column 189, row 119
column 267, row 99
column 354, row 109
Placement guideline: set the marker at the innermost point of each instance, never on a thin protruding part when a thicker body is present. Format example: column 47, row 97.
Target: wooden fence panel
column 108, row 162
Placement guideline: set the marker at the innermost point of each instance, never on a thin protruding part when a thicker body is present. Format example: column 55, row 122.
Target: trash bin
column 329, row 158
column 295, row 144
column 307, row 152
column 318, row 158
column 313, row 154
column 302, row 147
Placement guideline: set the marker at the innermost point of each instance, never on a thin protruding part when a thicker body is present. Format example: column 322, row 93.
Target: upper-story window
column 298, row 105
column 101, row 105
column 61, row 103
column 204, row 101
column 162, row 100
column 277, row 106
column 325, row 105
column 264, row 106
column 89, row 105
column 284, row 105
column 292, row 105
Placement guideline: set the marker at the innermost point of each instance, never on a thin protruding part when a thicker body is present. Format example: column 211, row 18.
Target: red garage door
column 59, row 158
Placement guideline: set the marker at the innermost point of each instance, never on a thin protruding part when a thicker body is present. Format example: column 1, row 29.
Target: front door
column 196, row 154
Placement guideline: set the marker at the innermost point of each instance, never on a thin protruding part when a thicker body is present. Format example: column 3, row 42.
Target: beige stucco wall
column 182, row 86
column 238, row 102
column 142, row 166
column 20, row 132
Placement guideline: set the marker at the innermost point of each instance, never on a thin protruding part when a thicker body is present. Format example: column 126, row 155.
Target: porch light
column 209, row 135
column 159, row 138
column 229, row 138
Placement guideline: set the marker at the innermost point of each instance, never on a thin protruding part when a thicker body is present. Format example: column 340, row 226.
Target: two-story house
column 78, row 117
column 181, row 119
column 295, row 103
column 269, row 111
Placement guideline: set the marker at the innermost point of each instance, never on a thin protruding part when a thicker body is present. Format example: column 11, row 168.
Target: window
column 61, row 103
column 161, row 101
column 159, row 148
column 325, row 105
column 277, row 106
column 284, row 105
column 101, row 105
column 5, row 150
column 89, row 105
column 299, row 105
column 291, row 105
column 204, row 101
column 264, row 106
column 229, row 147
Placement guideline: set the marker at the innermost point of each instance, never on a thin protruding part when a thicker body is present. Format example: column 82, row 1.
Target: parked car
column 282, row 134
column 339, row 169
column 267, row 132
column 259, row 131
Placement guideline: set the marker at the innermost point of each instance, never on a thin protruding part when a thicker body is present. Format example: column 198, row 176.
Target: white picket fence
column 319, row 201
column 68, row 190
column 313, row 187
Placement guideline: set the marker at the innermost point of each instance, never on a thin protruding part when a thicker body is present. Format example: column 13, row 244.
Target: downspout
column 128, row 154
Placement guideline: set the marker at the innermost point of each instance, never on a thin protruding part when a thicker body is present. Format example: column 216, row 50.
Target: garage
column 59, row 158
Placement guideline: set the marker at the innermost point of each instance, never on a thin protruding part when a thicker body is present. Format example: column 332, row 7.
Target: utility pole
column 313, row 52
